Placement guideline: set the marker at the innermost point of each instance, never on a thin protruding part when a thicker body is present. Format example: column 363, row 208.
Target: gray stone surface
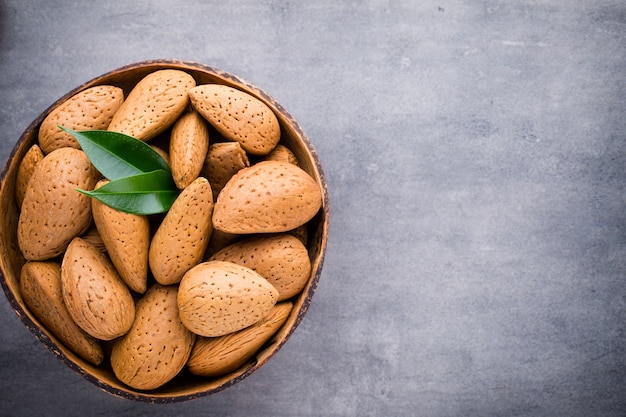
column 476, row 162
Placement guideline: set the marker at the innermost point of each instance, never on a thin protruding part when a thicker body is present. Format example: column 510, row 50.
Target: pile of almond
column 204, row 285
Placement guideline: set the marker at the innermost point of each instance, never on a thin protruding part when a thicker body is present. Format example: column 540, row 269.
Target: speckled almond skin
column 157, row 346
column 53, row 212
column 189, row 143
column 91, row 109
column 268, row 197
column 40, row 286
column 93, row 237
column 126, row 238
column 25, row 171
column 216, row 298
column 182, row 237
column 282, row 153
column 282, row 259
column 223, row 160
column 237, row 116
column 96, row 297
column 215, row 356
column 154, row 104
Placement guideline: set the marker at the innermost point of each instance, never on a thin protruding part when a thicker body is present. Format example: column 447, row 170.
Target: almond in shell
column 282, row 259
column 182, row 237
column 189, row 143
column 40, row 286
column 53, row 212
column 268, row 197
column 126, row 238
column 91, row 109
column 215, row 356
column 237, row 116
column 154, row 104
column 93, row 237
column 25, row 171
column 282, row 153
column 223, row 160
column 157, row 346
column 216, row 298
column 96, row 298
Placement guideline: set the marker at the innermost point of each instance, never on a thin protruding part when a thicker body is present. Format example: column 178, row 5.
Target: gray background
column 475, row 158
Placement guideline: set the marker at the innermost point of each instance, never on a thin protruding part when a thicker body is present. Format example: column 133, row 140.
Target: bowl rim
column 306, row 296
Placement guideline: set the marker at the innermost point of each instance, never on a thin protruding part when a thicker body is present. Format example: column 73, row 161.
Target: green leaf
column 146, row 193
column 117, row 155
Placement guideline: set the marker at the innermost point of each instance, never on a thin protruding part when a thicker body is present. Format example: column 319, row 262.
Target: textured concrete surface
column 475, row 153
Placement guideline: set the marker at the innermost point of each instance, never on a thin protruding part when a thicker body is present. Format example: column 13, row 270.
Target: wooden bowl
column 185, row 386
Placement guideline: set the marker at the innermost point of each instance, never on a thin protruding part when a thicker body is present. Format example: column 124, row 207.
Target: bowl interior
column 185, row 386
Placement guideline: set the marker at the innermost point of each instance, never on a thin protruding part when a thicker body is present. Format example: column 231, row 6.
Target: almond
column 282, row 153
column 154, row 104
column 281, row 259
column 237, row 116
column 53, row 212
column 157, row 346
column 96, row 298
column 268, row 197
column 215, row 356
column 189, row 143
column 216, row 298
column 40, row 285
column 93, row 237
column 126, row 238
column 223, row 160
column 91, row 109
column 182, row 237
column 25, row 171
